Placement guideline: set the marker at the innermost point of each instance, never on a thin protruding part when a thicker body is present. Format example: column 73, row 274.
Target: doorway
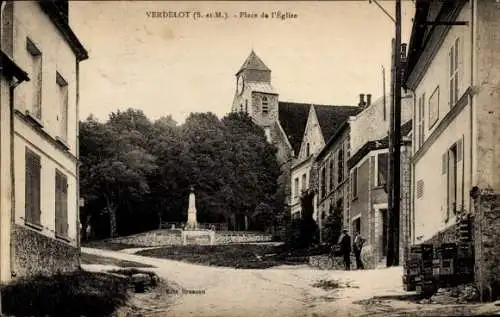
column 383, row 213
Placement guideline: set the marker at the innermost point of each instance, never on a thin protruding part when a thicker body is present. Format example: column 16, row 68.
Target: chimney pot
column 361, row 100
column 368, row 99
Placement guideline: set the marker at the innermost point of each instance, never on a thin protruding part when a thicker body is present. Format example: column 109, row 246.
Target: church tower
column 254, row 93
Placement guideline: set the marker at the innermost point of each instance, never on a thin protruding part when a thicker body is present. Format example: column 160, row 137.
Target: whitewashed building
column 40, row 207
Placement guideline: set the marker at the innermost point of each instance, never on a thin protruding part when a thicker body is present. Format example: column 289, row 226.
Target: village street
column 281, row 291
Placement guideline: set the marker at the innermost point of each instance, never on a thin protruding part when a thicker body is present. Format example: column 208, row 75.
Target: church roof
column 293, row 120
column 261, row 87
column 253, row 62
column 330, row 118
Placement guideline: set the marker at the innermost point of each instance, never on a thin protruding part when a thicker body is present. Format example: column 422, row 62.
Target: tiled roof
column 254, row 62
column 330, row 118
column 261, row 87
column 293, row 119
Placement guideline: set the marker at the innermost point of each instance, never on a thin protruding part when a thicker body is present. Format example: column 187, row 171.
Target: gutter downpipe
column 2, row 6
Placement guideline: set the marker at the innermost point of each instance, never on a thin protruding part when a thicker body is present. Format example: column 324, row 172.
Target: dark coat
column 345, row 243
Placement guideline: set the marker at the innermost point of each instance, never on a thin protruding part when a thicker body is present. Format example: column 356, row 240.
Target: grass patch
column 108, row 245
column 96, row 259
column 70, row 294
column 243, row 256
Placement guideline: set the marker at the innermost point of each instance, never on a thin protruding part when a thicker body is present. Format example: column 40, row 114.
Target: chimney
column 368, row 99
column 361, row 100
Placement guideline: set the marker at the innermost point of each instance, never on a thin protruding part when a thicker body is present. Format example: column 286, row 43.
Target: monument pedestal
column 200, row 237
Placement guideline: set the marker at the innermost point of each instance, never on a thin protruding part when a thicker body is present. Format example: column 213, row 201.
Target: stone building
column 368, row 173
column 298, row 130
column 39, row 139
column 322, row 123
column 454, row 72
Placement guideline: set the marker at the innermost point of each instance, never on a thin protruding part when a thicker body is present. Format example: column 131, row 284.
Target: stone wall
column 487, row 244
column 174, row 237
column 34, row 253
column 153, row 238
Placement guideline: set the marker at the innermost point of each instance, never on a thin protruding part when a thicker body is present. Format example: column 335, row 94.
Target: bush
column 71, row 294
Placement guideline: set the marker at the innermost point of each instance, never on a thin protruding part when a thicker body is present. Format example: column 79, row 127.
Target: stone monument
column 192, row 223
column 191, row 234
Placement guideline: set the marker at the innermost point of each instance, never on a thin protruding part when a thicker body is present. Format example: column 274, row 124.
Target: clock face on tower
column 239, row 85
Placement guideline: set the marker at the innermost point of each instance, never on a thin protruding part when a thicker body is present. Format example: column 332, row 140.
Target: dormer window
column 265, row 105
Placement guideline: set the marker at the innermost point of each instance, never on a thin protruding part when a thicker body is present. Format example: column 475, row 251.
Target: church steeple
column 254, row 69
column 253, row 62
column 255, row 94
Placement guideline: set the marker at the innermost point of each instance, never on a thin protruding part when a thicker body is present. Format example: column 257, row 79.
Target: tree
column 309, row 231
column 115, row 164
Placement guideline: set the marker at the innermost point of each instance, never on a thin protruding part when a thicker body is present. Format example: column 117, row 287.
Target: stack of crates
column 464, row 266
column 464, row 229
column 446, row 256
column 412, row 267
column 425, row 282
column 465, row 251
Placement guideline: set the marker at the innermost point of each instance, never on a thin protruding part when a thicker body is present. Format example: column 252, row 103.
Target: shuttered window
column 61, row 202
column 32, row 187
column 455, row 66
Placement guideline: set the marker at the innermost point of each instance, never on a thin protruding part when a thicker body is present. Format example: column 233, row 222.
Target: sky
column 328, row 54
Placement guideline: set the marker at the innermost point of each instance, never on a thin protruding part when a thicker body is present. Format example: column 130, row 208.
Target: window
column 454, row 64
column 340, row 166
column 327, row 174
column 296, row 186
column 265, row 105
column 356, row 225
column 382, row 164
column 331, row 174
column 36, row 79
column 246, row 105
column 32, row 188
column 434, row 108
column 420, row 121
column 354, row 183
column 323, row 182
column 61, row 192
column 63, row 106
column 241, row 107
column 451, row 158
column 304, row 182
column 308, row 149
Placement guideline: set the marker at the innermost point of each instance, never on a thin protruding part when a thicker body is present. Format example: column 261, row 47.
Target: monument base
column 200, row 237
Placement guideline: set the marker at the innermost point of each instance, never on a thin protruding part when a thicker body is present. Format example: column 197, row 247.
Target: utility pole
column 394, row 180
column 397, row 136
column 395, row 149
column 390, row 168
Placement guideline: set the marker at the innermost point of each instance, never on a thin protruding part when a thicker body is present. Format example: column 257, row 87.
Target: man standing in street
column 357, row 246
column 345, row 248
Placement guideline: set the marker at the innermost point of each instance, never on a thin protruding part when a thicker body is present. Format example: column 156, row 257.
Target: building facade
column 368, row 173
column 454, row 72
column 43, row 224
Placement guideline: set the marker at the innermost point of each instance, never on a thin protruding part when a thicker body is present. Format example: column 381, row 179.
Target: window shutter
column 459, row 149
column 450, row 72
column 420, row 188
column 445, row 163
